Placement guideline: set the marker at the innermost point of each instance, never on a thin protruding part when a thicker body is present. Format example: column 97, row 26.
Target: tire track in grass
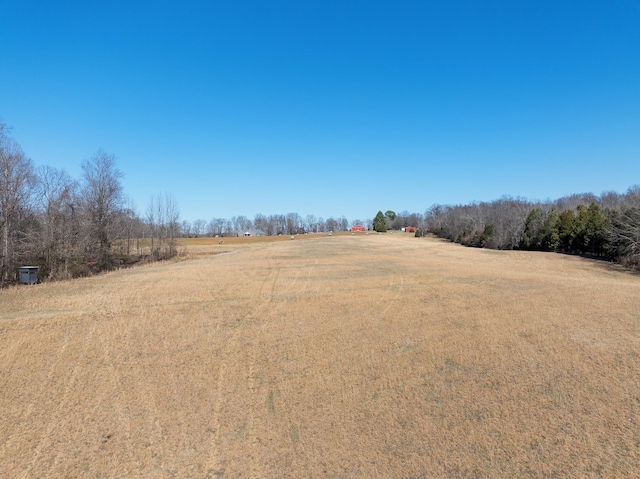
column 270, row 282
column 58, row 416
column 252, row 358
column 295, row 441
column 119, row 401
column 215, row 464
column 156, row 436
column 28, row 410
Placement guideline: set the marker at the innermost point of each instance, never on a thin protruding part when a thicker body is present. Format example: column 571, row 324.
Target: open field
column 341, row 357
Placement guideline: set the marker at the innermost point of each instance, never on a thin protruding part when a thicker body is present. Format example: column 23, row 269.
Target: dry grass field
column 366, row 356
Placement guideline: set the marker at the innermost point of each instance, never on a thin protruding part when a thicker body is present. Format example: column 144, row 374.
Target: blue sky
column 326, row 107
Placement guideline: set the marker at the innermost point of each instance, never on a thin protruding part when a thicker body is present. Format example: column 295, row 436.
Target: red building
column 410, row 229
column 358, row 228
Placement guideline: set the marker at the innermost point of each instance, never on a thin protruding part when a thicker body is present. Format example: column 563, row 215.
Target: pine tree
column 380, row 223
column 566, row 229
column 595, row 230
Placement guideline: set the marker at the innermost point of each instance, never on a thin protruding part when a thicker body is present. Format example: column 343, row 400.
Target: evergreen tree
column 595, row 230
column 380, row 223
column 566, row 229
column 532, row 227
column 579, row 240
column 550, row 237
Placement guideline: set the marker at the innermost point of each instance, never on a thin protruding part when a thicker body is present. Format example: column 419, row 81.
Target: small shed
column 28, row 274
column 358, row 228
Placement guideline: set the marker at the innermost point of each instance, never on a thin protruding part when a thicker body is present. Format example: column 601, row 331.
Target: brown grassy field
column 341, row 357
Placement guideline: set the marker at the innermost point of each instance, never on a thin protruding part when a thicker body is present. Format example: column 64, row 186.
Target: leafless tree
column 185, row 229
column 632, row 197
column 215, row 227
column 163, row 218
column 261, row 223
column 332, row 224
column 611, row 200
column 103, row 199
column 199, row 227
column 17, row 181
column 311, row 224
column 498, row 224
column 132, row 230
column 227, row 228
column 58, row 235
column 404, row 219
column 241, row 223
column 368, row 223
column 624, row 229
column 294, row 224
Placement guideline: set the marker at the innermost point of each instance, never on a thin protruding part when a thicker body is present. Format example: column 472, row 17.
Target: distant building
column 252, row 232
column 358, row 228
column 410, row 229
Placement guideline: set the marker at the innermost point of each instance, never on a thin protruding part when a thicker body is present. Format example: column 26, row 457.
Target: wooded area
column 71, row 227
column 604, row 226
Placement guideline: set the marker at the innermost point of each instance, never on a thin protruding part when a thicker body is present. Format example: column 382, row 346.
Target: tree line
column 606, row 226
column 72, row 227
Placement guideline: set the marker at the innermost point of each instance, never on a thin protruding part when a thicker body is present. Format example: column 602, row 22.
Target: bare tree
column 163, row 218
column 332, row 224
column 368, row 223
column 102, row 200
column 277, row 224
column 215, row 227
column 227, row 229
column 132, row 229
column 16, row 187
column 311, row 224
column 632, row 197
column 241, row 223
column 172, row 214
column 294, row 224
column 152, row 222
column 58, row 197
column 261, row 223
column 624, row 228
column 185, row 229
column 199, row 227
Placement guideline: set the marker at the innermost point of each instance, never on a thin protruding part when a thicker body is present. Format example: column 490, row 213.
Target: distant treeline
column 607, row 225
column 287, row 224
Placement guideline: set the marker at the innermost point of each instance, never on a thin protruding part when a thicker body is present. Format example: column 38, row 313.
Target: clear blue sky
column 327, row 107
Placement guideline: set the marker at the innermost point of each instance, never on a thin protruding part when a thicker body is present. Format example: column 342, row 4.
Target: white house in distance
column 252, row 232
